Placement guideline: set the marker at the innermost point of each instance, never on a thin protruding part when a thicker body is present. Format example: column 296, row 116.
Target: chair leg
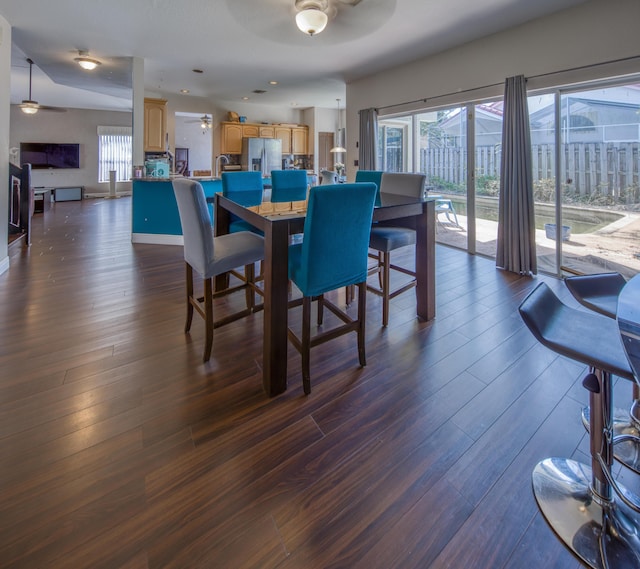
column 189, row 281
column 305, row 351
column 386, row 282
column 208, row 318
column 320, row 310
column 380, row 268
column 362, row 311
column 249, row 275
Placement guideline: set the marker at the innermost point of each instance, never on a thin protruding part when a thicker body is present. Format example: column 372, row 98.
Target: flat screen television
column 44, row 155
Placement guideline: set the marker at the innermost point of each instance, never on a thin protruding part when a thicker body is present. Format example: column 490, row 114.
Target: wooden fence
column 590, row 168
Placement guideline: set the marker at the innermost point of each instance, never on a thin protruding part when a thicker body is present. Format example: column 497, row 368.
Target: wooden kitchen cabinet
column 155, row 125
column 300, row 140
column 231, row 143
column 250, row 131
column 295, row 140
column 284, row 134
column 267, row 132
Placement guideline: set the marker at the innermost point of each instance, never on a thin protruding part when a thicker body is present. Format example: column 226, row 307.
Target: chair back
column 334, row 249
column 196, row 224
column 328, row 177
column 244, row 188
column 403, row 184
column 374, row 176
column 288, row 185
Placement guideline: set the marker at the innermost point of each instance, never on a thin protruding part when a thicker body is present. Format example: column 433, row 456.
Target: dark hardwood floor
column 121, row 449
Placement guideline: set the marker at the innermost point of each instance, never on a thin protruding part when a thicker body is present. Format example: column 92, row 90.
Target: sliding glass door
column 586, row 169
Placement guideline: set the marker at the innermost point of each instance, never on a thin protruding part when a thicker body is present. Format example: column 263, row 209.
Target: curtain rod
column 472, row 89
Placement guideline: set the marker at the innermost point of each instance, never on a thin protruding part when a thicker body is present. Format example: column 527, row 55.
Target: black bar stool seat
column 597, row 518
column 600, row 293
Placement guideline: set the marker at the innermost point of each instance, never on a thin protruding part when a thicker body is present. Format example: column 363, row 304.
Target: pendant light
column 338, row 148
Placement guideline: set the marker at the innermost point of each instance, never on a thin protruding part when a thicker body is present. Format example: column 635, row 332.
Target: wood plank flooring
column 120, row 449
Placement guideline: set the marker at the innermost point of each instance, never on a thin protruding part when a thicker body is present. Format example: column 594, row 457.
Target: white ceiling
column 240, row 45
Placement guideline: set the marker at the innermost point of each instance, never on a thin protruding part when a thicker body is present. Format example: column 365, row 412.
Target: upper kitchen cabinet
column 231, row 138
column 267, row 132
column 295, row 140
column 300, row 140
column 155, row 125
column 284, row 134
column 250, row 131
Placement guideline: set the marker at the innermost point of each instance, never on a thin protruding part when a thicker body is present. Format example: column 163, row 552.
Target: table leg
column 276, row 295
column 426, row 262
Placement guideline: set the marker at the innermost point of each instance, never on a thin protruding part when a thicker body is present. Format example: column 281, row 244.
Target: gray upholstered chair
column 384, row 239
column 210, row 256
column 328, row 177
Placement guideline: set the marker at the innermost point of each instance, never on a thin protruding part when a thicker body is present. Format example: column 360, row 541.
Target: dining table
column 277, row 227
column 628, row 317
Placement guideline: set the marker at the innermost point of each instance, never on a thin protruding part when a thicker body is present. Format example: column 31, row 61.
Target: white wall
column 5, row 94
column 591, row 33
column 74, row 126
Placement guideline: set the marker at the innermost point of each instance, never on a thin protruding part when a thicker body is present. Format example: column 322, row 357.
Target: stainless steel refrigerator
column 262, row 155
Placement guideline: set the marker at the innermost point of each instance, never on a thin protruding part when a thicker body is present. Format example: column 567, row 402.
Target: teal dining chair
column 210, row 256
column 384, row 239
column 374, row 176
column 288, row 185
column 332, row 255
column 246, row 189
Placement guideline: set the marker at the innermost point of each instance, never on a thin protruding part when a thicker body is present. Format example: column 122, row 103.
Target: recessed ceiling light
column 245, row 98
column 185, row 91
column 273, row 82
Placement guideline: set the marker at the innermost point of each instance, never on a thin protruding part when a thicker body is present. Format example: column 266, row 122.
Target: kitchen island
column 154, row 211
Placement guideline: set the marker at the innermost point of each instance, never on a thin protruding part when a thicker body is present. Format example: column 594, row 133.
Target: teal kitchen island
column 154, row 211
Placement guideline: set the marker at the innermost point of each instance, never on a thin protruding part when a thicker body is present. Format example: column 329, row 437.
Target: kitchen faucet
column 226, row 161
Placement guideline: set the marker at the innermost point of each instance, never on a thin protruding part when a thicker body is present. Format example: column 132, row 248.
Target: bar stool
column 597, row 518
column 600, row 293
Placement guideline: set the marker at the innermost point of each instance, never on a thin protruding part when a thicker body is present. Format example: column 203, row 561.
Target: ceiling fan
column 31, row 107
column 205, row 121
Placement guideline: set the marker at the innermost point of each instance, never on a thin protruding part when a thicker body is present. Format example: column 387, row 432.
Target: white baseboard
column 156, row 239
column 91, row 195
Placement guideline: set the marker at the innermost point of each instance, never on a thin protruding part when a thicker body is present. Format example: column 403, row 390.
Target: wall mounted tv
column 44, row 155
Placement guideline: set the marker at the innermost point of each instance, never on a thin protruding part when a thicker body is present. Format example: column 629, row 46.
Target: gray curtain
column 516, row 250
column 368, row 139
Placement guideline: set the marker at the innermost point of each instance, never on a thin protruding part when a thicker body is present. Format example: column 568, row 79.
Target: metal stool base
column 626, row 452
column 562, row 488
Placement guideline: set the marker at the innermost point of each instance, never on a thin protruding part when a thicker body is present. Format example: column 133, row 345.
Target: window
column 114, row 152
column 394, row 144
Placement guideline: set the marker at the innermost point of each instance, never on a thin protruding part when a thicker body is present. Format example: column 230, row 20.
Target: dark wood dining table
column 417, row 213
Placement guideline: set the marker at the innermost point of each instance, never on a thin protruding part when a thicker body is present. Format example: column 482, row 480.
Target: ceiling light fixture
column 338, row 148
column 87, row 62
column 205, row 122
column 29, row 106
column 311, row 17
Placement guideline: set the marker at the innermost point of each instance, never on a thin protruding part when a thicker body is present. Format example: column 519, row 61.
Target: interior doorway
column 326, row 160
